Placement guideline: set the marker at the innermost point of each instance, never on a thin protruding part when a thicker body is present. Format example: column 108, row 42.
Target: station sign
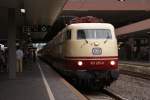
column 43, row 28
column 35, row 28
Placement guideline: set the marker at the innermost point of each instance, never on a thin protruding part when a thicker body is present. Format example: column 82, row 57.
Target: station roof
column 57, row 13
column 119, row 13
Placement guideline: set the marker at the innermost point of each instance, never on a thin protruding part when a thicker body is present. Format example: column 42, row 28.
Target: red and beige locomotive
column 85, row 52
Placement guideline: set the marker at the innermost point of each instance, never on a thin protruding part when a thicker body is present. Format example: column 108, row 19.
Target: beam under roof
column 135, row 27
column 43, row 11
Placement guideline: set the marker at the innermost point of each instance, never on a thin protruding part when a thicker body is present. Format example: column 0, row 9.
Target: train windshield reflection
column 94, row 34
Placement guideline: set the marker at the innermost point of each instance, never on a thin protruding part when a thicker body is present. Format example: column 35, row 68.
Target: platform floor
column 37, row 82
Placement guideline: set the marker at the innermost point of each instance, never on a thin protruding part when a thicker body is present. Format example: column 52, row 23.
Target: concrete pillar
column 132, row 48
column 11, row 43
column 149, row 47
column 131, row 45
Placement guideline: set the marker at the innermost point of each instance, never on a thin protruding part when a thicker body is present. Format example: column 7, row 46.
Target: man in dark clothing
column 34, row 56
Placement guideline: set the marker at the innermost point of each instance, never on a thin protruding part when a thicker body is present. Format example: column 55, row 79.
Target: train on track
column 86, row 53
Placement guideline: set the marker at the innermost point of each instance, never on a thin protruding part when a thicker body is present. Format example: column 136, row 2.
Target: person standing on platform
column 34, row 55
column 19, row 56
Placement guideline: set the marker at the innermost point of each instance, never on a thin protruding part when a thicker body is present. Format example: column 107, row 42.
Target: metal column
column 11, row 43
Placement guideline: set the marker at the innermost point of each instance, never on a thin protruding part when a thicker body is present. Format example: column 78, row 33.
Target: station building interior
column 30, row 22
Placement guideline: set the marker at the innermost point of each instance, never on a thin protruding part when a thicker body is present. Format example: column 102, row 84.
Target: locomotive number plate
column 97, row 63
column 97, row 51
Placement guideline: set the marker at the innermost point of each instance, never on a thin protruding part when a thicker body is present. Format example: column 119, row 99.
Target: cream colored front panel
column 79, row 48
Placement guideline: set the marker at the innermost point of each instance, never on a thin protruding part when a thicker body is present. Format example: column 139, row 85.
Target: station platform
column 134, row 66
column 37, row 82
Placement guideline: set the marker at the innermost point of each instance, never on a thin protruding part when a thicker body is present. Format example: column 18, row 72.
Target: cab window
column 94, row 34
column 68, row 35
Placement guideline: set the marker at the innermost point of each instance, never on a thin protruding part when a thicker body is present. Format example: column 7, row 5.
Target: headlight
column 80, row 63
column 112, row 63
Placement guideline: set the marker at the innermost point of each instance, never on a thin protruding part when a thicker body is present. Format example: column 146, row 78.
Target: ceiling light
column 23, row 10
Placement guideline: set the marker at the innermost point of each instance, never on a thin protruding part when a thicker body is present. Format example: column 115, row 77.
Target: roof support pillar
column 149, row 48
column 11, row 43
column 131, row 43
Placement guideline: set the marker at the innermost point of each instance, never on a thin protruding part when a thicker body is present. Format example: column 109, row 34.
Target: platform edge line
column 50, row 94
column 76, row 92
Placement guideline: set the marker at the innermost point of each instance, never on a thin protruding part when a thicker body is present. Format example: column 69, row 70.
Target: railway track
column 136, row 70
column 135, row 74
column 104, row 95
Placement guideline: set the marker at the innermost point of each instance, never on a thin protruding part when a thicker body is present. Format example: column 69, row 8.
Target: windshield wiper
column 86, row 41
column 106, row 39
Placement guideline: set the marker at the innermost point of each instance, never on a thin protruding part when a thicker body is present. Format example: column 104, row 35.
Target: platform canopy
column 128, row 16
column 37, row 12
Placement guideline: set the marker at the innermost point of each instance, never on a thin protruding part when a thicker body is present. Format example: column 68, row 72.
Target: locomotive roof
column 90, row 25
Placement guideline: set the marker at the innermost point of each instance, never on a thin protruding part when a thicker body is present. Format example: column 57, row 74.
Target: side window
column 68, row 35
column 81, row 34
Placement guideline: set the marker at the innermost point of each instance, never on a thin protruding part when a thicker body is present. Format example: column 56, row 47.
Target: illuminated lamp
column 80, row 63
column 112, row 63
column 22, row 10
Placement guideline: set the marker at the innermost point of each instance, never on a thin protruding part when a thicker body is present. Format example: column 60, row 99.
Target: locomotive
column 86, row 53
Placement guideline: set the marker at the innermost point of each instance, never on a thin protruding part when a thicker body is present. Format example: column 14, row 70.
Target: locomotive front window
column 94, row 34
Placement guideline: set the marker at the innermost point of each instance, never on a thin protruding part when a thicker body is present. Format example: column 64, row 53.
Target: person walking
column 19, row 56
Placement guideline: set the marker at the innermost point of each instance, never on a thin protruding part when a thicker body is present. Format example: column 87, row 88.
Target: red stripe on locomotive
column 91, row 63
